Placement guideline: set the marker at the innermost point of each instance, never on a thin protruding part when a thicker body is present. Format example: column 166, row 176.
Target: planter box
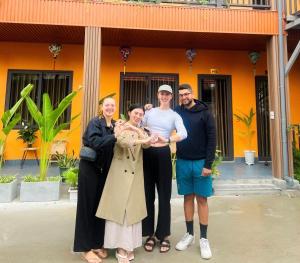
column 39, row 191
column 73, row 194
column 8, row 192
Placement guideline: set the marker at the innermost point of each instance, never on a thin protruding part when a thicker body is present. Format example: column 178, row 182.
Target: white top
column 163, row 122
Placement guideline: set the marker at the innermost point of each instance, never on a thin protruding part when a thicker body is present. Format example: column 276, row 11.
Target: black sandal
column 150, row 242
column 164, row 244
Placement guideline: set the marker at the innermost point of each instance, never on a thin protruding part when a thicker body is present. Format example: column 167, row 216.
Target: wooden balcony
column 128, row 15
column 293, row 7
column 253, row 4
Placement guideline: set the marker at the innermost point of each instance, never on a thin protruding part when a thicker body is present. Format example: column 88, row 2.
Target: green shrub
column 6, row 179
column 71, row 177
column 35, row 179
column 30, row 179
column 296, row 155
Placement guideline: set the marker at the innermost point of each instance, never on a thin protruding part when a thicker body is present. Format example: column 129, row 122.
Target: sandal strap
column 165, row 242
column 150, row 239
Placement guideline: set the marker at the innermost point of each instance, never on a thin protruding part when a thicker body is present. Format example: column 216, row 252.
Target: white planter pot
column 73, row 194
column 8, row 192
column 39, row 191
column 249, row 157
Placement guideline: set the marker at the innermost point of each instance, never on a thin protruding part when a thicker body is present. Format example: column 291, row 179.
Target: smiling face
column 185, row 97
column 136, row 116
column 109, row 107
column 164, row 97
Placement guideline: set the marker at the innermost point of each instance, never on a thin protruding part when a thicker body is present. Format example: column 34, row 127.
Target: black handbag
column 88, row 154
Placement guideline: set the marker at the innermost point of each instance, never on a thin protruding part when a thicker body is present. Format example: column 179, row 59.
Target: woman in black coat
column 89, row 230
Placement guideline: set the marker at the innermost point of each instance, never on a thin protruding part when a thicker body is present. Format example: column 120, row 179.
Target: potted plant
column 43, row 188
column 27, row 133
column 8, row 188
column 71, row 178
column 65, row 161
column 246, row 120
column 34, row 190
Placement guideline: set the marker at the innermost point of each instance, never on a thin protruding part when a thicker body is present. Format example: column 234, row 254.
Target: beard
column 188, row 103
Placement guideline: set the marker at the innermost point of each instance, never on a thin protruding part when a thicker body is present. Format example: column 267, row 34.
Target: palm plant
column 47, row 123
column 10, row 118
column 247, row 120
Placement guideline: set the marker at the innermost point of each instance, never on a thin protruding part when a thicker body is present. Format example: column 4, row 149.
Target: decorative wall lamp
column 55, row 49
column 254, row 56
column 190, row 55
column 125, row 53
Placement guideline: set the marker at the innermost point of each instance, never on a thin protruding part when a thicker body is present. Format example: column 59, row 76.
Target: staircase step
column 245, row 187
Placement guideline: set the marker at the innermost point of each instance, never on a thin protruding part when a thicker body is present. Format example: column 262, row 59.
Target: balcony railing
column 259, row 4
column 255, row 4
column 293, row 7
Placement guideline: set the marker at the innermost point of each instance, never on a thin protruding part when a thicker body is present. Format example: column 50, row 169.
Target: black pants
column 158, row 172
column 89, row 229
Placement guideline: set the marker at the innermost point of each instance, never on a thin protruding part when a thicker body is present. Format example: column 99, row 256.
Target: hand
column 154, row 138
column 148, row 106
column 148, row 140
column 206, row 172
column 161, row 139
column 119, row 122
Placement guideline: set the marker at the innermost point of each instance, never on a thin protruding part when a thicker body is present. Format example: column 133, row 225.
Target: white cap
column 165, row 88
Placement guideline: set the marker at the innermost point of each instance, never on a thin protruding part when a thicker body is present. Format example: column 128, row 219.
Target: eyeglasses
column 184, row 94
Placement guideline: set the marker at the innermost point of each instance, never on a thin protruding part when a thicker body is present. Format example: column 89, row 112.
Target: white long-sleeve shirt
column 163, row 122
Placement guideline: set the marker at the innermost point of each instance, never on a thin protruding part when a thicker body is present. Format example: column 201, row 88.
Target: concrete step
column 245, row 187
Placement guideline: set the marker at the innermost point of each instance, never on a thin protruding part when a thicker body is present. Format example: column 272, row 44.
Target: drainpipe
column 289, row 180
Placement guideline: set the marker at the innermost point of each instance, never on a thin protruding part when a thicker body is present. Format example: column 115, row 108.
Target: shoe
column 121, row 258
column 205, row 249
column 91, row 257
column 130, row 255
column 185, row 242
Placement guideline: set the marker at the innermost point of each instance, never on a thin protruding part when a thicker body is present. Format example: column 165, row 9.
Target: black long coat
column 89, row 230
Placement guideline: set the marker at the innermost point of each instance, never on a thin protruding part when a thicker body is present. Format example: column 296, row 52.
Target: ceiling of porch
column 143, row 38
column 129, row 37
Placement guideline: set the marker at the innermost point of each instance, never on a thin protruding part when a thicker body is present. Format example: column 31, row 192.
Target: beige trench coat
column 123, row 192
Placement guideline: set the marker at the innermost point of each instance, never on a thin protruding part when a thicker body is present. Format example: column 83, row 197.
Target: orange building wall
column 37, row 57
column 235, row 63
column 294, row 86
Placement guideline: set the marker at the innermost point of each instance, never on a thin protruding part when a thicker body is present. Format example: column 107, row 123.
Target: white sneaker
column 186, row 241
column 205, row 249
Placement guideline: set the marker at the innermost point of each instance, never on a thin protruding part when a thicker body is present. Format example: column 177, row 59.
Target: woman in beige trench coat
column 123, row 202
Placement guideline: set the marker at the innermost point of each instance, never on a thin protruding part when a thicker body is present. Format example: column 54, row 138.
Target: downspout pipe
column 289, row 180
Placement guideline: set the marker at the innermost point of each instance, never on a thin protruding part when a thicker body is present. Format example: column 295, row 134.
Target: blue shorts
column 190, row 180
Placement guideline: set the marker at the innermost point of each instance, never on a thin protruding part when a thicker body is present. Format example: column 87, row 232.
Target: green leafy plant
column 27, row 132
column 247, row 120
column 214, row 167
column 66, row 161
column 173, row 160
column 33, row 179
column 6, row 179
column 54, row 178
column 10, row 118
column 203, row 2
column 295, row 128
column 71, row 177
column 47, row 120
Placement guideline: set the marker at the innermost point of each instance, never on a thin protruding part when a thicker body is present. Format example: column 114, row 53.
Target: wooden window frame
column 39, row 99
